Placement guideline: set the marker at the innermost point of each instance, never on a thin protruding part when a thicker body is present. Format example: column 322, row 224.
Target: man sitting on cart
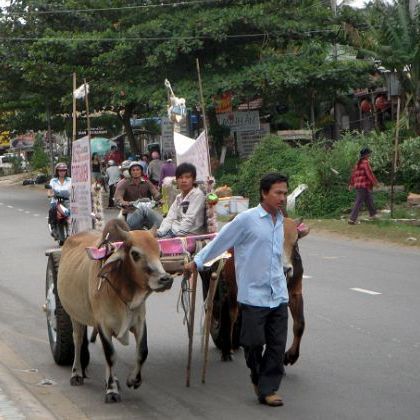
column 186, row 214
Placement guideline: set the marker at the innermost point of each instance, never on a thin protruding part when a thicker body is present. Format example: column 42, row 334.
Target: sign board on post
column 80, row 200
column 240, row 120
column 167, row 135
column 247, row 140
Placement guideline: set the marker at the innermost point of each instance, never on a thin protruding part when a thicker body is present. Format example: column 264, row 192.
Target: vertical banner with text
column 80, row 201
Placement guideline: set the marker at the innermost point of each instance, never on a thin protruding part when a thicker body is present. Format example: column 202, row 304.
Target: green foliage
column 39, row 160
column 326, row 169
column 276, row 49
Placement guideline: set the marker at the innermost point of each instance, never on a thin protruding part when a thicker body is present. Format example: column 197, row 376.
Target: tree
column 277, row 49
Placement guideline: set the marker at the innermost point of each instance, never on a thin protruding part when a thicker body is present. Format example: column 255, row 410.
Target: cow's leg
column 81, row 354
column 296, row 309
column 226, row 328
column 140, row 332
column 112, row 386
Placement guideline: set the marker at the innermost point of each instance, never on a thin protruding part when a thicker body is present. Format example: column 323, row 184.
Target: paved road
column 360, row 357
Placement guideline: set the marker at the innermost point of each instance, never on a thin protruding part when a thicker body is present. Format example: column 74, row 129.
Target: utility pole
column 51, row 149
column 335, row 131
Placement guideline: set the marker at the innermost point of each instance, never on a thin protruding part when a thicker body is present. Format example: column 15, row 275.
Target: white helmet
column 133, row 164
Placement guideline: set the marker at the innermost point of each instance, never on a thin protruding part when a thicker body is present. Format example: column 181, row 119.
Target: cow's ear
column 112, row 263
column 298, row 221
column 303, row 230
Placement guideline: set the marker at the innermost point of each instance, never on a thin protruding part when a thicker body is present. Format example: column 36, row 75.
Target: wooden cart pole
column 203, row 109
column 193, row 288
column 74, row 108
column 87, row 109
column 208, row 319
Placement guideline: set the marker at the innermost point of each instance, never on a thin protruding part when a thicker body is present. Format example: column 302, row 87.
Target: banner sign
column 248, row 140
column 80, row 200
column 193, row 151
column 240, row 120
column 167, row 135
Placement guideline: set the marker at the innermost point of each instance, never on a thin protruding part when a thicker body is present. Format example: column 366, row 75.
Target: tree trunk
column 125, row 116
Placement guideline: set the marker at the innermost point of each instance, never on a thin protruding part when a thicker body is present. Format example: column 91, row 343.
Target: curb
column 16, row 402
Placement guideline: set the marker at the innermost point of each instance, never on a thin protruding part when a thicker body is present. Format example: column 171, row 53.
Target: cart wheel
column 60, row 330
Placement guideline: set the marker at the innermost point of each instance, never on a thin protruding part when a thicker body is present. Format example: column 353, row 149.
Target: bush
column 326, row 169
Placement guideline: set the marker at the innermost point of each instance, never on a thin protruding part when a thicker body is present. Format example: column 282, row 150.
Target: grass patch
column 381, row 230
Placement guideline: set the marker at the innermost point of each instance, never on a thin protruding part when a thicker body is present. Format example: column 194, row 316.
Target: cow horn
column 125, row 236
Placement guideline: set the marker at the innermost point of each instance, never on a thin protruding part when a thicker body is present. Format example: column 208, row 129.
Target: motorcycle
column 60, row 230
column 137, row 204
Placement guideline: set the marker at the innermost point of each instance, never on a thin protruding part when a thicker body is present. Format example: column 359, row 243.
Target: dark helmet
column 133, row 164
column 365, row 152
column 60, row 166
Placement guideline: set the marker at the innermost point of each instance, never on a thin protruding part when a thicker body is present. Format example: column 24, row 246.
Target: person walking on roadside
column 363, row 180
column 96, row 167
column 257, row 237
column 153, row 170
column 168, row 169
column 113, row 177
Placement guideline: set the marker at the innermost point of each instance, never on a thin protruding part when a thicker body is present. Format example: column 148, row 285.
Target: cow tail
column 84, row 353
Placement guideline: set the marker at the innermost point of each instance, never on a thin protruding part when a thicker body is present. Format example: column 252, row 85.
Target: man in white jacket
column 187, row 212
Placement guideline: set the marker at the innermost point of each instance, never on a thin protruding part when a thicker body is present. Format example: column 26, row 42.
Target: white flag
column 81, row 92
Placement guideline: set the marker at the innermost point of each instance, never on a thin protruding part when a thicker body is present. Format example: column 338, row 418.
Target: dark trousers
column 363, row 195
column 264, row 326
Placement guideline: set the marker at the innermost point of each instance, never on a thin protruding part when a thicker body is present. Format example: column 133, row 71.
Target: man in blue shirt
column 257, row 238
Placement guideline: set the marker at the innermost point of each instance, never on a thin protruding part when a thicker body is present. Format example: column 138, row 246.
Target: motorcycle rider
column 60, row 185
column 132, row 189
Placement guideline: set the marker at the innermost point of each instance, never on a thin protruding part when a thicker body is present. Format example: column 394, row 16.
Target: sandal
column 272, row 400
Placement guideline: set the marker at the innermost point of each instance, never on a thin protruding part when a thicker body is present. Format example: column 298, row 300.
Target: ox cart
column 174, row 253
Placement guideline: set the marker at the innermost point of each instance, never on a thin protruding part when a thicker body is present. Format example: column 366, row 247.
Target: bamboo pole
column 74, row 108
column 203, row 108
column 394, row 160
column 193, row 288
column 87, row 109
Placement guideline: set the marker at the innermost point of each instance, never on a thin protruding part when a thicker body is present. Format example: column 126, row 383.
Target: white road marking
column 307, row 277
column 20, row 209
column 369, row 292
column 27, row 212
column 36, row 215
column 10, row 207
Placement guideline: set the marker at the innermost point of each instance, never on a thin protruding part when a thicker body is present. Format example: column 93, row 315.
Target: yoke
column 174, row 251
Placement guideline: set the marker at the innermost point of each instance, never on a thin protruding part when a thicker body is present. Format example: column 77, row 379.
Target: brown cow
column 226, row 315
column 110, row 294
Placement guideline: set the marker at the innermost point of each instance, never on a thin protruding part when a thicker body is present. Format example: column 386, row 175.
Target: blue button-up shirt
column 258, row 246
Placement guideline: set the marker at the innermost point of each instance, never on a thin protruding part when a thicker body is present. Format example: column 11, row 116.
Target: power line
column 106, row 9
